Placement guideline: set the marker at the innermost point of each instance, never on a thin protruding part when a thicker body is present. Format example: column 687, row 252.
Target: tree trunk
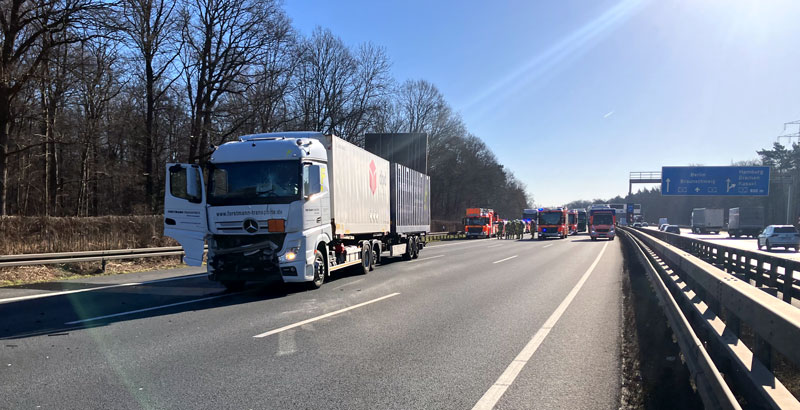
column 148, row 140
column 5, row 130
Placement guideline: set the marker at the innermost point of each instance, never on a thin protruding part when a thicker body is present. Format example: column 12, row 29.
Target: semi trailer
column 295, row 206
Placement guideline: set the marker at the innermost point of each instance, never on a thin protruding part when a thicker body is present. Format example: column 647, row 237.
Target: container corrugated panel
column 411, row 200
column 408, row 149
column 359, row 180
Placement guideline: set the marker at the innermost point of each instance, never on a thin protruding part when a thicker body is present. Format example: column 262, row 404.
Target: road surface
column 482, row 323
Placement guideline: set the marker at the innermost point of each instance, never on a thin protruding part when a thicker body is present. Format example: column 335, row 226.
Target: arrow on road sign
column 697, row 189
column 667, row 184
column 729, row 185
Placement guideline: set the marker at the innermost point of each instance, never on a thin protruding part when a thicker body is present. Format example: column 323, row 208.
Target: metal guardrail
column 87, row 256
column 771, row 273
column 708, row 310
column 107, row 255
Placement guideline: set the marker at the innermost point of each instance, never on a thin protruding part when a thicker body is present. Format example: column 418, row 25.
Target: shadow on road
column 51, row 315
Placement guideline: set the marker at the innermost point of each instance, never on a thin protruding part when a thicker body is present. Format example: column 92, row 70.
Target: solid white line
column 547, row 246
column 68, row 292
column 314, row 319
column 149, row 309
column 503, row 260
column 493, row 395
column 429, row 257
column 466, row 242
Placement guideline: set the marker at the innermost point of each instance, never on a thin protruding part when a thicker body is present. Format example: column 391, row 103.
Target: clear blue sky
column 572, row 95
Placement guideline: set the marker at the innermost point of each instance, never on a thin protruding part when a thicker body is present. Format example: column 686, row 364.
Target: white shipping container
column 359, row 182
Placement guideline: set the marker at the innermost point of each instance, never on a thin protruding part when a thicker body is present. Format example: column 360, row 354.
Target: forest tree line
column 95, row 97
column 781, row 206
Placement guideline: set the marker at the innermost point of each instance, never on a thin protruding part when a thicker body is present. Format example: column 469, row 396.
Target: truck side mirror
column 193, row 189
column 314, row 180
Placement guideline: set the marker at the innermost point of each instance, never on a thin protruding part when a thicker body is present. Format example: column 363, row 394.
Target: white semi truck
column 295, row 205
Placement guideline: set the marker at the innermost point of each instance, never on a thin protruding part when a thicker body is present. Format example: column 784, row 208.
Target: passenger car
column 785, row 236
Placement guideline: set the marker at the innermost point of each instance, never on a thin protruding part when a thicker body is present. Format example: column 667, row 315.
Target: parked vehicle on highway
column 708, row 220
column 637, row 225
column 583, row 220
column 481, row 223
column 297, row 205
column 783, row 236
column 673, row 229
column 662, row 227
column 552, row 223
column 601, row 223
column 573, row 221
column 529, row 216
column 745, row 221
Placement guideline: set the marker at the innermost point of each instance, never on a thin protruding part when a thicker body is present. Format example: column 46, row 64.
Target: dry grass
column 49, row 234
column 47, row 273
column 21, row 235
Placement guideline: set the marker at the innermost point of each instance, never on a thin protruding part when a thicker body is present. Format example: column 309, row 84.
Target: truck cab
column 480, row 223
column 552, row 223
column 601, row 223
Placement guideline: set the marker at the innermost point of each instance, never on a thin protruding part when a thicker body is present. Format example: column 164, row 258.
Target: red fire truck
column 573, row 221
column 552, row 223
column 481, row 223
column 601, row 223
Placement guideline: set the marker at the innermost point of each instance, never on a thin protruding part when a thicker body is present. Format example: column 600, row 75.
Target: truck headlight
column 290, row 255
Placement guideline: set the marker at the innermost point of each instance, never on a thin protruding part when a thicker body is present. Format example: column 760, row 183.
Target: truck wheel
column 320, row 270
column 233, row 285
column 376, row 254
column 366, row 259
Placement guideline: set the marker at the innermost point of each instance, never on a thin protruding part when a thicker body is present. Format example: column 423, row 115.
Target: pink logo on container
column 373, row 177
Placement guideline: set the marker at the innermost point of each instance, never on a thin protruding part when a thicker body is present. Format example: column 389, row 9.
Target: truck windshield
column 477, row 221
column 602, row 219
column 262, row 182
column 550, row 218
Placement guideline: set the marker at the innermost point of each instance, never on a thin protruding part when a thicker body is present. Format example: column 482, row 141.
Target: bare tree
column 151, row 27
column 23, row 23
column 223, row 38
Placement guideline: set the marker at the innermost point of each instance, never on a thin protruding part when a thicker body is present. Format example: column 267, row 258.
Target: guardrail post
column 733, row 323
column 788, row 281
column 773, row 275
column 763, row 352
column 103, row 265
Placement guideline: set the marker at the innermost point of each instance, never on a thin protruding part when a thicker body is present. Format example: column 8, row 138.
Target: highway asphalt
column 481, row 323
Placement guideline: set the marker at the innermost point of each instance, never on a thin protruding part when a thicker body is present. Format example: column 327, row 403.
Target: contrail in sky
column 610, row 113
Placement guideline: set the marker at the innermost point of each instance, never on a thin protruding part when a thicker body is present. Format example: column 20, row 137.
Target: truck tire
column 320, row 270
column 366, row 258
column 233, row 285
column 376, row 254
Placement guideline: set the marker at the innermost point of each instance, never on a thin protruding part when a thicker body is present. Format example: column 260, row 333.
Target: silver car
column 785, row 236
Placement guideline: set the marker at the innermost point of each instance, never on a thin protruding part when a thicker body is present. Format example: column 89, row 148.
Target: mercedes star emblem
column 250, row 225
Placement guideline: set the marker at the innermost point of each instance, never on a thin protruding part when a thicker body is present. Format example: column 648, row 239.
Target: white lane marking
column 547, row 246
column 68, row 292
column 424, row 259
column 460, row 243
column 503, row 260
column 327, row 315
column 493, row 395
column 131, row 312
column 494, row 246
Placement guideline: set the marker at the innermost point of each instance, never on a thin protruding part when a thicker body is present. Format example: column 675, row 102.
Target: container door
column 185, row 218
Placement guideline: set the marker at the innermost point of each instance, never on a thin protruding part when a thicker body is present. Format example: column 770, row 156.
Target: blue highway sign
column 723, row 181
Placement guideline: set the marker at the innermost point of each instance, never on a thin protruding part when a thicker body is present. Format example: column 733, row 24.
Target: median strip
column 327, row 315
column 508, row 258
